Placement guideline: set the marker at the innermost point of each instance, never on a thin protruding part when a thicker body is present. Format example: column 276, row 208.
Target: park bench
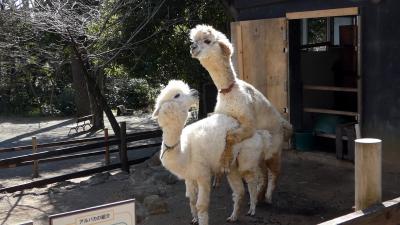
column 81, row 122
column 123, row 111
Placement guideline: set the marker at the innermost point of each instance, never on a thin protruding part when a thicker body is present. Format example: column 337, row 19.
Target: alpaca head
column 174, row 102
column 208, row 43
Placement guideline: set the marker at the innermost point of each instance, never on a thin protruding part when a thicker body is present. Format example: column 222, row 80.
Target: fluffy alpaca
column 192, row 153
column 237, row 98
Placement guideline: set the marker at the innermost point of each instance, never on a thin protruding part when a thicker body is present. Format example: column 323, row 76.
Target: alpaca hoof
column 268, row 200
column 194, row 221
column 217, row 181
column 225, row 166
column 225, row 170
column 251, row 212
column 231, row 219
column 215, row 186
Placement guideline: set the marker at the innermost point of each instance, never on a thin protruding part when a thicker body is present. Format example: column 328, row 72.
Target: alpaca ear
column 226, row 48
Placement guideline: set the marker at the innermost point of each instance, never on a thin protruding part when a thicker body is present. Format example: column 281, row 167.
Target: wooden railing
column 80, row 148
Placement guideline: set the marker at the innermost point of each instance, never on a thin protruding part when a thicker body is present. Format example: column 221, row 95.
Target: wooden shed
column 326, row 65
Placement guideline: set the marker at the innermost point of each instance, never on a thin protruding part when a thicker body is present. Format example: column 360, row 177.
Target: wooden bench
column 81, row 122
column 123, row 111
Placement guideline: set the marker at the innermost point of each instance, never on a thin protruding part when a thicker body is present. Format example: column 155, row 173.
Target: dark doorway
column 324, row 90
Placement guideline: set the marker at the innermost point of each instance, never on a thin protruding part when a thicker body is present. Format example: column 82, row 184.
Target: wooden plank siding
column 261, row 59
column 236, row 39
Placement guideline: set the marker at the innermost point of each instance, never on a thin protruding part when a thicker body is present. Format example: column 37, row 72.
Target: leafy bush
column 64, row 102
column 135, row 93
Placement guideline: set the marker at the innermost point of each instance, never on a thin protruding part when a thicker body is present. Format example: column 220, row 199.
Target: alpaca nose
column 193, row 46
column 194, row 93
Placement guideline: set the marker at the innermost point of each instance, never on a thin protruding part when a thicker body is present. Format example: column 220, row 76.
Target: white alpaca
column 193, row 153
column 237, row 98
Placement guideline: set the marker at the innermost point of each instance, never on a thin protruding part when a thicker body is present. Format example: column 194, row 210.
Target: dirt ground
column 313, row 186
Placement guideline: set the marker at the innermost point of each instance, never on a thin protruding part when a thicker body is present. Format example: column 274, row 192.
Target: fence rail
column 71, row 152
column 7, row 162
column 53, row 144
column 46, row 181
column 69, row 142
column 80, row 155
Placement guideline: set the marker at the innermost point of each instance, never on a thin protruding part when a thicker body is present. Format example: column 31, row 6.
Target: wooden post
column 107, row 154
column 123, row 148
column 358, row 131
column 35, row 168
column 368, row 172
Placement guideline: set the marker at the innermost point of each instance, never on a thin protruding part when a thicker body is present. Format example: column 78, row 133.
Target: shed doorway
column 324, row 75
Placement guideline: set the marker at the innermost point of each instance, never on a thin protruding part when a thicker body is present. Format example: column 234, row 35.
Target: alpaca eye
column 207, row 41
column 177, row 95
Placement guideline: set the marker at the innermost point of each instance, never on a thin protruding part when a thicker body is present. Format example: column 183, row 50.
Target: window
column 317, row 30
column 315, row 34
column 318, row 33
column 340, row 22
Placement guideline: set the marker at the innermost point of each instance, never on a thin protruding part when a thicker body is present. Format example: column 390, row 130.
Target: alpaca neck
column 173, row 159
column 221, row 71
column 171, row 135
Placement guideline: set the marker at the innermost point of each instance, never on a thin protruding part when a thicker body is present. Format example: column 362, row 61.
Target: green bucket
column 304, row 140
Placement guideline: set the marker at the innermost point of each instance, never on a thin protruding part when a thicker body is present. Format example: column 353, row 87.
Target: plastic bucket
column 304, row 140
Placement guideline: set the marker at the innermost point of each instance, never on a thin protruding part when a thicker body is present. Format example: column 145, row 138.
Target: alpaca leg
column 203, row 200
column 191, row 193
column 246, row 130
column 274, row 166
column 251, row 178
column 217, row 180
column 227, row 155
column 236, row 184
column 263, row 181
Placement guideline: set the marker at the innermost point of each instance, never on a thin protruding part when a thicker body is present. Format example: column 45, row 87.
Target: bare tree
column 71, row 21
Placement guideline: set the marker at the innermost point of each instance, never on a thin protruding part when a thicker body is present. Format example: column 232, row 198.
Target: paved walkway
column 17, row 131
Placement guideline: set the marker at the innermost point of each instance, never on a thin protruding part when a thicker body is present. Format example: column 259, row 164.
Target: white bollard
column 368, row 172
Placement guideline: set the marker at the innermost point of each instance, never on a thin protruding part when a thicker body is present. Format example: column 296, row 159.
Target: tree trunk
column 82, row 100
column 1, row 5
column 95, row 90
column 97, row 111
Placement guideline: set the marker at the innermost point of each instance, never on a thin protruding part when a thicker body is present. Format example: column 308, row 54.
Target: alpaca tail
column 287, row 129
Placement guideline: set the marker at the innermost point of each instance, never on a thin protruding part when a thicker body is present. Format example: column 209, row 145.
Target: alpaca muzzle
column 194, row 93
column 194, row 49
column 193, row 46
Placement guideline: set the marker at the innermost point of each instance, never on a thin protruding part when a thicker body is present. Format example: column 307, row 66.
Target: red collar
column 227, row 90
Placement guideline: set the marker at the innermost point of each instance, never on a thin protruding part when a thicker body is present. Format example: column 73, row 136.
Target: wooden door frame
column 349, row 11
